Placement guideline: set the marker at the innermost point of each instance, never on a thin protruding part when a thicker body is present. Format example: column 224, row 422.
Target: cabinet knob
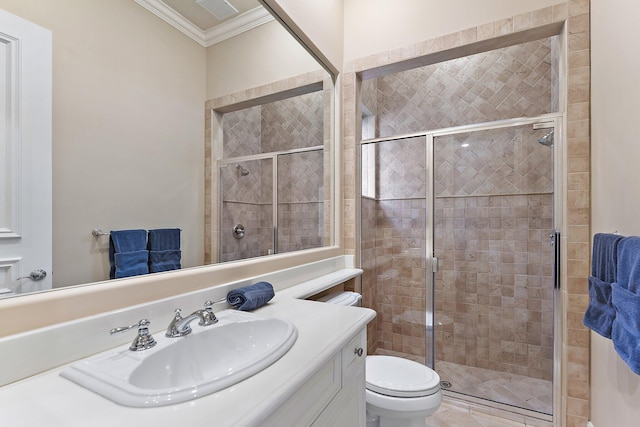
column 358, row 351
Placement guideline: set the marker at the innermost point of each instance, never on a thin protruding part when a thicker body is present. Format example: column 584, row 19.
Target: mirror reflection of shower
column 243, row 171
column 547, row 139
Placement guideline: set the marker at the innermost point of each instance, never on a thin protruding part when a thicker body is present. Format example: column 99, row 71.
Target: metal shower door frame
column 274, row 155
column 545, row 121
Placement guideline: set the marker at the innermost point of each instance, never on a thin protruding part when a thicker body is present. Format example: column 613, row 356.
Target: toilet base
column 377, row 421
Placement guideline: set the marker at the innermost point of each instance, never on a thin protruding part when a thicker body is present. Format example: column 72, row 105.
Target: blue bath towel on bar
column 251, row 297
column 164, row 250
column 128, row 254
column 625, row 295
column 600, row 312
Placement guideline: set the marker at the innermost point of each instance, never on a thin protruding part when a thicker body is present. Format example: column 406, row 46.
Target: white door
column 25, row 155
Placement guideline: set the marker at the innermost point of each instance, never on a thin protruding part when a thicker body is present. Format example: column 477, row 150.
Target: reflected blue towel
column 625, row 296
column 164, row 250
column 251, row 297
column 600, row 313
column 128, row 254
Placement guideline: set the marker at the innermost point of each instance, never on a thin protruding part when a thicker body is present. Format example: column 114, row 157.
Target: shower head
column 243, row 171
column 547, row 139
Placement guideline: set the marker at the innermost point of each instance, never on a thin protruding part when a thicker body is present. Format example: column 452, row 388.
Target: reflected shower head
column 547, row 139
column 243, row 171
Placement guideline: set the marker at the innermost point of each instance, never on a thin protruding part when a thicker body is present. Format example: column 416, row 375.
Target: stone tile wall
column 570, row 18
column 296, row 122
column 514, row 81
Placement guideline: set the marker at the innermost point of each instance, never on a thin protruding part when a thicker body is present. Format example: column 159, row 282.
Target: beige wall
column 321, row 22
column 258, row 57
column 380, row 25
column 615, row 389
column 128, row 129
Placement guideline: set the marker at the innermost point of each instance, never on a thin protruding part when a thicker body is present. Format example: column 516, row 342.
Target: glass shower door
column 301, row 198
column 493, row 212
column 393, row 246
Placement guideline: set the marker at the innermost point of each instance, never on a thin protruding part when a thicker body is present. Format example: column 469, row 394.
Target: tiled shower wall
column 493, row 212
column 296, row 122
column 515, row 81
column 572, row 19
column 509, row 82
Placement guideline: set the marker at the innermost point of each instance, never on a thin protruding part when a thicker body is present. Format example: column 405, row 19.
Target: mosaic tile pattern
column 509, row 82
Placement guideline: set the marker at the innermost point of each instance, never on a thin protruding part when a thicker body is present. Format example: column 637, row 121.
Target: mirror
column 129, row 91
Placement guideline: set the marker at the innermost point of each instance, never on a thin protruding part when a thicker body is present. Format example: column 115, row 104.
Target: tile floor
column 455, row 416
column 515, row 390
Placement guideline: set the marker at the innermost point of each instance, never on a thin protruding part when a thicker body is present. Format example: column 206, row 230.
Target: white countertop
column 50, row 400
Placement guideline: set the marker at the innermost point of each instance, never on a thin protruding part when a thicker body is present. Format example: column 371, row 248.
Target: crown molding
column 238, row 25
column 244, row 22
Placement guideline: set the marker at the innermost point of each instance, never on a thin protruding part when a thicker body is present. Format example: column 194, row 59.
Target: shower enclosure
column 271, row 203
column 457, row 250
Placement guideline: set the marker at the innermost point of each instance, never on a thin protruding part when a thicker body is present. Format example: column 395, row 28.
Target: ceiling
column 203, row 19
column 194, row 21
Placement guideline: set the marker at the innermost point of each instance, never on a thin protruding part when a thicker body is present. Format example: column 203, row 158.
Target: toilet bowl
column 399, row 392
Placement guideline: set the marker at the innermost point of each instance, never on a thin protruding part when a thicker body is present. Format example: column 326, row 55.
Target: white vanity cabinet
column 334, row 395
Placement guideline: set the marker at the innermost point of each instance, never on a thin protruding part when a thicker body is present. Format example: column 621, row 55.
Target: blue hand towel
column 163, row 239
column 251, row 297
column 605, row 256
column 600, row 312
column 128, row 254
column 625, row 297
column 164, row 250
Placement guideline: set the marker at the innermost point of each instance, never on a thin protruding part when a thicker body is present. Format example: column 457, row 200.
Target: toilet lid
column 341, row 298
column 394, row 376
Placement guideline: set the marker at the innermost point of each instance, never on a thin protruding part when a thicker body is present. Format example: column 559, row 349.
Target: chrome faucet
column 143, row 341
column 180, row 326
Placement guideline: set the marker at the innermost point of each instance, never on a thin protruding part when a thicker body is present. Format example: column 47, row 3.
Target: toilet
column 399, row 392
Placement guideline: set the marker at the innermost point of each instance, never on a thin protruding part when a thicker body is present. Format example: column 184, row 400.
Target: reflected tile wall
column 296, row 122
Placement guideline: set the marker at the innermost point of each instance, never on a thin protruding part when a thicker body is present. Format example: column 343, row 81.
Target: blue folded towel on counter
column 625, row 296
column 128, row 254
column 600, row 312
column 164, row 250
column 251, row 297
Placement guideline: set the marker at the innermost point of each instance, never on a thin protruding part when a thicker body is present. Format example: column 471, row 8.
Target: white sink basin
column 180, row 369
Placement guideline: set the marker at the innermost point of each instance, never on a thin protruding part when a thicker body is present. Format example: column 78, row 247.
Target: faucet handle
column 208, row 316
column 142, row 341
column 172, row 330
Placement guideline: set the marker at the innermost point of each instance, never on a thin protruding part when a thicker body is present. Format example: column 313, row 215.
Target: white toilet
column 400, row 392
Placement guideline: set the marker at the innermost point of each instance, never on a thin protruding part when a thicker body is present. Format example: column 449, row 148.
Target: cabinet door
column 310, row 399
column 348, row 408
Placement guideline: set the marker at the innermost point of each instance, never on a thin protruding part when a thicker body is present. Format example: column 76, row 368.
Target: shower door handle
column 435, row 264
column 554, row 241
